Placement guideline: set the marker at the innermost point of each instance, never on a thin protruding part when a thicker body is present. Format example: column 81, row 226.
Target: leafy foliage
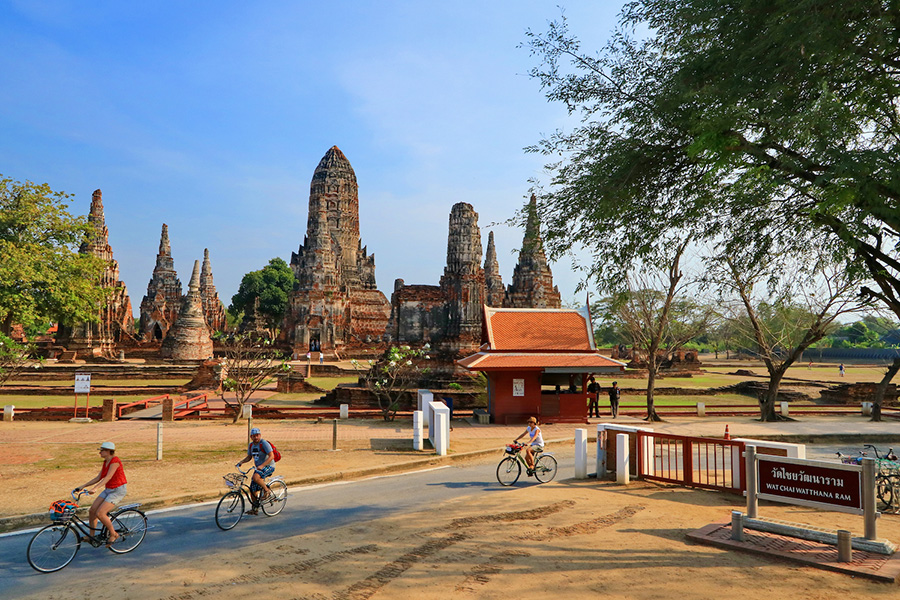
column 250, row 362
column 756, row 125
column 393, row 375
column 43, row 277
column 272, row 285
column 13, row 358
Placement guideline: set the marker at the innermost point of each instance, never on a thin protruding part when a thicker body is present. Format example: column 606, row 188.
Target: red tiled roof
column 484, row 361
column 535, row 329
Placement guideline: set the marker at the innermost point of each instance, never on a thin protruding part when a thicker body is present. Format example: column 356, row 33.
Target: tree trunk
column 882, row 388
column 652, row 416
column 767, row 403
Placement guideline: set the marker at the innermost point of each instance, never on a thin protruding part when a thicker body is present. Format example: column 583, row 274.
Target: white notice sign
column 518, row 387
column 82, row 383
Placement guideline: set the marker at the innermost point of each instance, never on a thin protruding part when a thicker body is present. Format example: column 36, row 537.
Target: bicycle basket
column 513, row 449
column 62, row 511
column 233, row 480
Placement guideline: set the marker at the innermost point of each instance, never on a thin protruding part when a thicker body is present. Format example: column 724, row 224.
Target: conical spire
column 492, row 279
column 164, row 248
column 189, row 338
column 194, row 285
column 213, row 309
column 532, row 282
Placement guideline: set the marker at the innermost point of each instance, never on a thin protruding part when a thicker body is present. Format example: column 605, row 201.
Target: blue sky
column 212, row 116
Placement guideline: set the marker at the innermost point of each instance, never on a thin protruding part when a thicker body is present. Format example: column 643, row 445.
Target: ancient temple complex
column 447, row 316
column 494, row 292
column 116, row 321
column 189, row 339
column 213, row 309
column 160, row 307
column 532, row 282
column 335, row 303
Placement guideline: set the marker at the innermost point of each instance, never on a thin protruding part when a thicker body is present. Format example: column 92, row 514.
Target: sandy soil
column 565, row 539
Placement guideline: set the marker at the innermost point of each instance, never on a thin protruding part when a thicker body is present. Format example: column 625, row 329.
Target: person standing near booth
column 614, row 396
column 593, row 390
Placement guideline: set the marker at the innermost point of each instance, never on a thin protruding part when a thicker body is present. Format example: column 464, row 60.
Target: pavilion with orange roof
column 537, row 361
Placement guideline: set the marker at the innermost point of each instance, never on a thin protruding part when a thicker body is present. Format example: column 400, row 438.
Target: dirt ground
column 564, row 539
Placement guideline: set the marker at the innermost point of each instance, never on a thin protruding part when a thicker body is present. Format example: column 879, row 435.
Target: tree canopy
column 756, row 125
column 272, row 285
column 43, row 277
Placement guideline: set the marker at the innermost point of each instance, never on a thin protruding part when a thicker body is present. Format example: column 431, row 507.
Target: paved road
column 191, row 532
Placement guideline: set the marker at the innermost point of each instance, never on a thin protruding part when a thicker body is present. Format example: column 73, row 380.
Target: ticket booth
column 537, row 362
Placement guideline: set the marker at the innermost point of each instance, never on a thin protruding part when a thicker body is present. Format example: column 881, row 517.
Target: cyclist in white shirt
column 537, row 443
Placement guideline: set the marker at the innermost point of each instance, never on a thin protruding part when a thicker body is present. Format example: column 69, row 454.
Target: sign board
column 82, row 383
column 518, row 387
column 813, row 483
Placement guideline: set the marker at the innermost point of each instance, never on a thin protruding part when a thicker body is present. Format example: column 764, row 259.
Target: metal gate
column 708, row 463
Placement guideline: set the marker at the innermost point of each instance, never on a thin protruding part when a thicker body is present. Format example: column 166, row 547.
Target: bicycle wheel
column 131, row 525
column 52, row 548
column 508, row 471
column 275, row 503
column 545, row 468
column 230, row 510
column 884, row 489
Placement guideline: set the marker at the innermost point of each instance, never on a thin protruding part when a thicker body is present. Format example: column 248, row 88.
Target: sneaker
column 530, row 472
column 253, row 511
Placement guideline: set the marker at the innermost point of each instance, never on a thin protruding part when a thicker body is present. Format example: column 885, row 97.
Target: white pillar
column 8, row 411
column 345, row 411
column 701, row 409
column 601, row 451
column 418, row 440
column 424, row 401
column 581, row 454
column 867, row 409
column 159, row 441
column 623, row 459
column 441, row 437
column 784, row 409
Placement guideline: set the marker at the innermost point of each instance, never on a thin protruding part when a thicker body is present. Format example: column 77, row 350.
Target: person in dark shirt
column 614, row 395
column 593, row 389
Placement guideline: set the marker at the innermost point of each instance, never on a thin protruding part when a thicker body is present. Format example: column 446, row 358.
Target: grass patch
column 329, row 383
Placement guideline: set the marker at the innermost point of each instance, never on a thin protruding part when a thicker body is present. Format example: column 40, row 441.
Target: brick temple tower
column 494, row 290
column 463, row 282
column 532, row 282
column 116, row 321
column 159, row 308
column 335, row 302
column 213, row 309
column 188, row 339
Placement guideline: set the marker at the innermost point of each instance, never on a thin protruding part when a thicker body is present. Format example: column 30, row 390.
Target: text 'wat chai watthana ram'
column 335, row 306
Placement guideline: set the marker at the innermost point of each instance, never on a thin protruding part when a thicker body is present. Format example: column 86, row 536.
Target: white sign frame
column 82, row 383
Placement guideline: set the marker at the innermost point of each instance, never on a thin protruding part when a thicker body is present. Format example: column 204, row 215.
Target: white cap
column 107, row 446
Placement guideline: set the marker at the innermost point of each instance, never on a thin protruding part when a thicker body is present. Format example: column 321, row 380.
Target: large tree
column 272, row 285
column 43, row 277
column 751, row 123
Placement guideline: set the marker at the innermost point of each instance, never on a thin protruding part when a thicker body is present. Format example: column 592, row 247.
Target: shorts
column 537, row 449
column 114, row 495
column 264, row 472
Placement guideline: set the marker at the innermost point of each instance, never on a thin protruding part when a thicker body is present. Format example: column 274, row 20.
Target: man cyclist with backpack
column 263, row 455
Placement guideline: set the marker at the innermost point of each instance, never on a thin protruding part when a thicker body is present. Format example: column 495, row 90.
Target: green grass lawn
column 329, row 383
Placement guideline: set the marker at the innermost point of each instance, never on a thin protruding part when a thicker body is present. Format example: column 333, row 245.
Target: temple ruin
column 188, row 339
column 213, row 309
column 494, row 291
column 447, row 316
column 335, row 303
column 116, row 321
column 159, row 308
column 532, row 282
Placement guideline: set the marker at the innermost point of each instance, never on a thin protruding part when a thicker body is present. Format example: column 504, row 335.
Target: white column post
column 418, row 440
column 701, row 409
column 345, row 411
column 441, row 437
column 8, row 411
column 785, row 411
column 159, row 441
column 581, row 454
column 623, row 459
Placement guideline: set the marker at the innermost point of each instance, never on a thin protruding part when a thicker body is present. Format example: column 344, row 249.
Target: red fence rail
column 142, row 403
column 706, row 463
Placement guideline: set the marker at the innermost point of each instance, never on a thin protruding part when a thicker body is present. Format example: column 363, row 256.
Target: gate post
column 623, row 459
column 868, row 499
column 580, row 454
column 752, row 480
column 601, row 452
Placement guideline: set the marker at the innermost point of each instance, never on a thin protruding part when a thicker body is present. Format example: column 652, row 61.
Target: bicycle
column 887, row 479
column 510, row 468
column 55, row 546
column 230, row 509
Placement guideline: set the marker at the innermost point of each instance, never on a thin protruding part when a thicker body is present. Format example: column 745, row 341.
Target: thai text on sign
column 810, row 482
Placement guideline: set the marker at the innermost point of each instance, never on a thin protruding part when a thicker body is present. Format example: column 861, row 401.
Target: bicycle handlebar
column 77, row 493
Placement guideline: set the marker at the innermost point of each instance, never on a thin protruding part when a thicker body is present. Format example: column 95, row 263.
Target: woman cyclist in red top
column 112, row 477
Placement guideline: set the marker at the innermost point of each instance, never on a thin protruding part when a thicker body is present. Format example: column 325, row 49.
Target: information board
column 810, row 483
column 518, row 387
column 82, row 383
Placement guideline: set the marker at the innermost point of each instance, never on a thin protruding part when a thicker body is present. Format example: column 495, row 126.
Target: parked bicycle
column 510, row 468
column 230, row 509
column 54, row 546
column 887, row 477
